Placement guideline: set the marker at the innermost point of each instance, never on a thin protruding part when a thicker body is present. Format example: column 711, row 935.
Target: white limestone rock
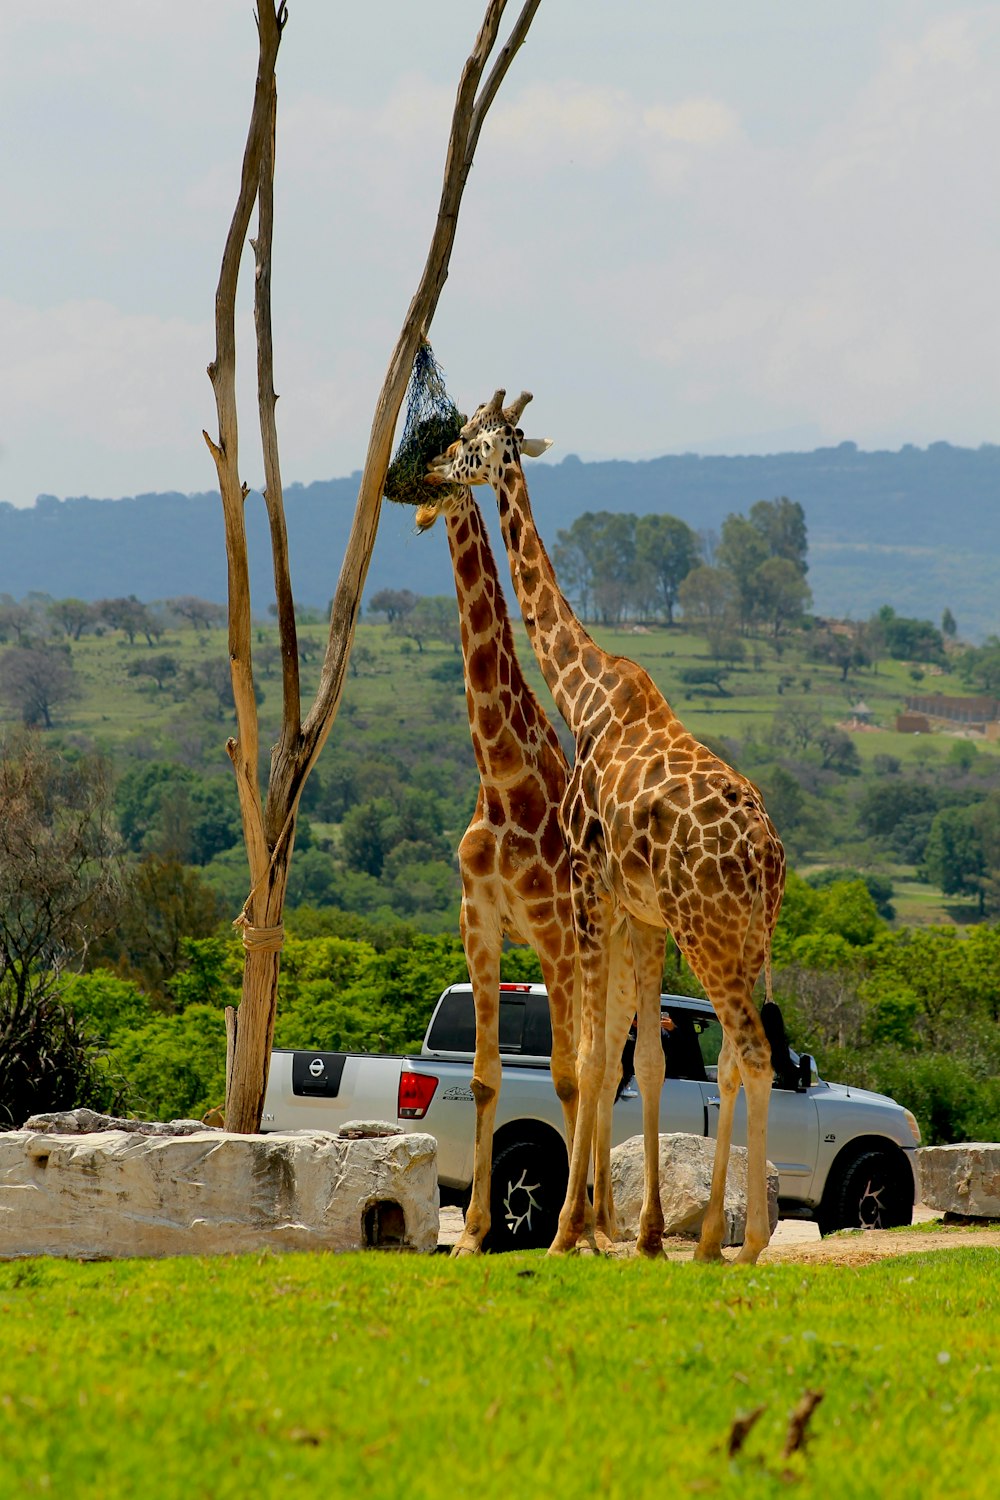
column 87, row 1122
column 113, row 1194
column 685, row 1186
column 963, row 1179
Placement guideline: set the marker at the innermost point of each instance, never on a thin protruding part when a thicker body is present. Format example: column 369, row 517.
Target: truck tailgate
column 323, row 1090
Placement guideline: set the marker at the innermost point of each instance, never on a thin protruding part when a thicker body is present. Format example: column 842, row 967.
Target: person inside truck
column 667, row 1028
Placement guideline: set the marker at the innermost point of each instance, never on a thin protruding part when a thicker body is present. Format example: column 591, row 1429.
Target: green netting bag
column 433, row 422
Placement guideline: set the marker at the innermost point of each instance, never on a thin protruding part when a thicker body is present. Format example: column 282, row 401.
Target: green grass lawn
column 507, row 1376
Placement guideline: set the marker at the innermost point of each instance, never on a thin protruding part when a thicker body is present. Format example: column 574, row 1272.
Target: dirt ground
column 798, row 1243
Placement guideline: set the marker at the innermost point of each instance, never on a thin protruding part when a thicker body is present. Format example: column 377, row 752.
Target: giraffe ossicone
column 657, row 827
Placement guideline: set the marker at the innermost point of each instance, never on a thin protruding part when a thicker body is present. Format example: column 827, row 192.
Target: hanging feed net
column 433, row 422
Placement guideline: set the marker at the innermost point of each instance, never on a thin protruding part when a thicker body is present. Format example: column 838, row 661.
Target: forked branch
column 269, row 828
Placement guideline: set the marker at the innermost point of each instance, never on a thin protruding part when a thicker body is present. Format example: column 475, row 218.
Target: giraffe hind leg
column 621, row 1005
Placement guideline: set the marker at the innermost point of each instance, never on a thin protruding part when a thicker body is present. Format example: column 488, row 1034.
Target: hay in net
column 433, row 422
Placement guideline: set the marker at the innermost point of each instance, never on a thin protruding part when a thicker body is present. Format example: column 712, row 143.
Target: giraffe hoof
column 709, row 1254
column 747, row 1256
column 466, row 1246
column 561, row 1246
column 649, row 1246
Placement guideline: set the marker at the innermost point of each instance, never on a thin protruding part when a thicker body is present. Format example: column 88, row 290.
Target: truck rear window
column 524, row 1025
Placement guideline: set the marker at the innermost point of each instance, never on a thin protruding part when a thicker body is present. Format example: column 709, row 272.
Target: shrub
column 49, row 1060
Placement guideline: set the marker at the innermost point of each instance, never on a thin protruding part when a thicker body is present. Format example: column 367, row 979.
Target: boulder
column 961, row 1179
column 685, row 1186
column 115, row 1193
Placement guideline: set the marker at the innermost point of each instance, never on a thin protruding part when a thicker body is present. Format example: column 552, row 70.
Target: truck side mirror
column 805, row 1073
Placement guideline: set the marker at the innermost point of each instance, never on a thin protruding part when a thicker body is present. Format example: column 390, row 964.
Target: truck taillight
column 416, row 1090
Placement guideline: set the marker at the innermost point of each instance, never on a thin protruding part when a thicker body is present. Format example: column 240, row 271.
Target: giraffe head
column 487, row 444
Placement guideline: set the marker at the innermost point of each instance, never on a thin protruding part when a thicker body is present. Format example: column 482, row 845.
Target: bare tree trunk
column 269, row 829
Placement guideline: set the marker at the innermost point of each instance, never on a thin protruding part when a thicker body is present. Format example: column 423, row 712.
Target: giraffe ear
column 534, row 447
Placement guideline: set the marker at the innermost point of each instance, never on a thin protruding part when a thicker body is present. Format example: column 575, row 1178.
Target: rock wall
column 961, row 1179
column 116, row 1193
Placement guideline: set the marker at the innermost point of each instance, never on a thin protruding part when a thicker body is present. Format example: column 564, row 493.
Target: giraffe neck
column 505, row 718
column 572, row 663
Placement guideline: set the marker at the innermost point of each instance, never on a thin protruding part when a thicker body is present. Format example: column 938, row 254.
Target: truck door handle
column 716, row 1101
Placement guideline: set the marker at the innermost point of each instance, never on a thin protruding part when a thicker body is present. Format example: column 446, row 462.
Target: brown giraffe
column 663, row 828
column 513, row 858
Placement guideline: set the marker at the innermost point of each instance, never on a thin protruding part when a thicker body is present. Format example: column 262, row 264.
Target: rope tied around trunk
column 260, row 939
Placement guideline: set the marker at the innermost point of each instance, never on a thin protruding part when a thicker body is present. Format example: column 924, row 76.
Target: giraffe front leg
column 483, row 958
column 591, row 912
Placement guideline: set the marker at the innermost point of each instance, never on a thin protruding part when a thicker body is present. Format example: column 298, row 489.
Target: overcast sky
column 714, row 227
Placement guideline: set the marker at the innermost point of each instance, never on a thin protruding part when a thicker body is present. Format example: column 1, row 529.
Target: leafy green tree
column 366, row 835
column 742, row 550
column 432, row 618
column 37, row 681
column 72, row 616
column 596, row 559
column 879, row 886
column 130, row 616
column 707, row 596
column 782, row 524
column 910, row 640
column 785, row 799
column 105, row 1002
column 17, row 621
column 669, row 548
column 201, row 614
column 980, row 666
column 781, row 592
column 160, row 669
column 392, row 603
column 885, row 804
column 949, row 627
column 168, row 904
column 706, row 676
column 847, row 652
column 954, row 857
column 61, row 882
column 837, row 751
column 168, row 810
column 175, row 1064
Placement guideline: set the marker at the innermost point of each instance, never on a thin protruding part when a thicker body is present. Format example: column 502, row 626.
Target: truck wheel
column 526, row 1193
column 872, row 1191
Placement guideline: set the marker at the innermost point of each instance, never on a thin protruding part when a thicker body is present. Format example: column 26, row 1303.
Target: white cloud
column 712, row 256
column 692, row 122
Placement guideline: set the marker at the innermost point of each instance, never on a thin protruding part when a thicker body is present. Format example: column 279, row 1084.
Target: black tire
column 526, row 1193
column 874, row 1190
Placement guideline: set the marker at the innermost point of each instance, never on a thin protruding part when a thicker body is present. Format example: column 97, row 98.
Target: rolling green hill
column 919, row 529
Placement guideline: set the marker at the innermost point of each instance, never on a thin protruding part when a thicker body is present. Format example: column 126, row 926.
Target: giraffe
column 661, row 827
column 513, row 858
column 511, row 737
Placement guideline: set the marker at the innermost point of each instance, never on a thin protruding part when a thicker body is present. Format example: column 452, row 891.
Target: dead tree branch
column 269, row 827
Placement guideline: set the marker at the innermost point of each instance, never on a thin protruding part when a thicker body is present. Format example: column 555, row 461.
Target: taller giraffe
column 658, row 824
column 513, row 858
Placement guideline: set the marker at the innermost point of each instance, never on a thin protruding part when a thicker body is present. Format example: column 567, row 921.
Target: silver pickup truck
column 845, row 1157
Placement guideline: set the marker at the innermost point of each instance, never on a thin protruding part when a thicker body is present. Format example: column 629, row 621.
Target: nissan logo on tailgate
column 317, row 1075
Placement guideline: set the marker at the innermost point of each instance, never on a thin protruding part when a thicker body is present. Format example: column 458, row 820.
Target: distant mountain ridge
column 918, row 529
